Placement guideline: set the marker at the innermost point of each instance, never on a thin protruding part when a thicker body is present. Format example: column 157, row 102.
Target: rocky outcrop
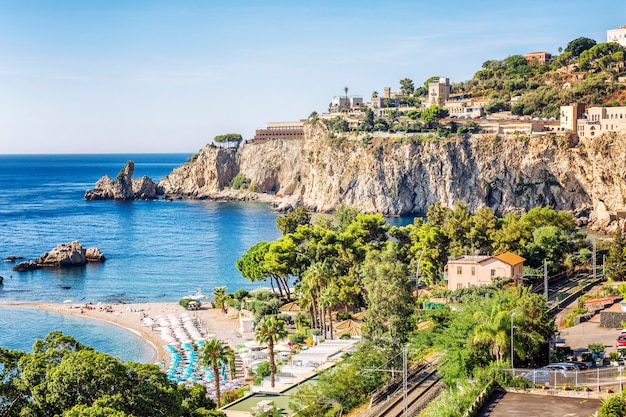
column 123, row 187
column 208, row 173
column 26, row 266
column 94, row 255
column 63, row 255
column 402, row 175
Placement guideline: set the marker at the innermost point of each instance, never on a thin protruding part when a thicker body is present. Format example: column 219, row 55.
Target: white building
column 439, row 91
column 592, row 121
column 617, row 35
column 342, row 102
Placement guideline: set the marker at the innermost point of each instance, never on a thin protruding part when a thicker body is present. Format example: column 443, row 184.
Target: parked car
column 580, row 365
column 544, row 375
column 566, row 367
column 621, row 341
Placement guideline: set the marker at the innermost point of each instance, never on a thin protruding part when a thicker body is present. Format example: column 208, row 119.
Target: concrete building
column 570, row 115
column 439, row 91
column 617, row 35
column 464, row 109
column 588, row 122
column 467, row 271
column 342, row 102
column 541, row 57
column 280, row 130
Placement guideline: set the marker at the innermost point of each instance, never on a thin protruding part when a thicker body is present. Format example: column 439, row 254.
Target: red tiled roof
column 509, row 258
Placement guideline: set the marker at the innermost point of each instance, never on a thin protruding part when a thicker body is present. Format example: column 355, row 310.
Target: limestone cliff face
column 400, row 176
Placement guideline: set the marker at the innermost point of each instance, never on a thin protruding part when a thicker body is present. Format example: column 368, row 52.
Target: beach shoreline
column 223, row 326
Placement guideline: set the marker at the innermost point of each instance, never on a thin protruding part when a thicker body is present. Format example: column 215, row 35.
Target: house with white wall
column 617, row 35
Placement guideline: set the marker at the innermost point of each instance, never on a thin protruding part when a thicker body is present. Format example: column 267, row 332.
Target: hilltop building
column 280, row 130
column 541, row 57
column 588, row 122
column 340, row 103
column 468, row 271
column 439, row 91
column 617, row 35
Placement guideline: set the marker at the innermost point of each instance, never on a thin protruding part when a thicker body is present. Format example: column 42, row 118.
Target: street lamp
column 512, row 349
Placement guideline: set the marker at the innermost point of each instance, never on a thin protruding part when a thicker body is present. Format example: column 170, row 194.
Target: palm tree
column 315, row 279
column 345, row 90
column 330, row 299
column 213, row 355
column 493, row 330
column 219, row 295
column 270, row 331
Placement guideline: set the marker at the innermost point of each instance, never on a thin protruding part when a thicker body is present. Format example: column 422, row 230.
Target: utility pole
column 545, row 278
column 417, row 275
column 404, row 381
column 593, row 259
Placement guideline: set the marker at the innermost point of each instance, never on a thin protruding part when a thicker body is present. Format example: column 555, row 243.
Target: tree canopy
column 65, row 378
column 229, row 138
column 579, row 45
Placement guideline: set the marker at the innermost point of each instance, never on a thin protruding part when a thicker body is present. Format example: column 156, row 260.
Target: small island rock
column 123, row 187
column 94, row 255
column 26, row 266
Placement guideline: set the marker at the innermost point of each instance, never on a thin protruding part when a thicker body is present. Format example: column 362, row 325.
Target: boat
column 65, row 287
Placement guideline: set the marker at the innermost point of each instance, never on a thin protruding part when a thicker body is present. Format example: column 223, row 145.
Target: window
column 473, row 270
column 493, row 272
column 459, row 286
column 459, row 270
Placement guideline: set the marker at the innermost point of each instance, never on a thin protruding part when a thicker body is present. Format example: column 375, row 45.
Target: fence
column 596, row 378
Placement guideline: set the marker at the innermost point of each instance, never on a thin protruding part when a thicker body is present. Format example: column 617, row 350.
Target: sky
column 155, row 76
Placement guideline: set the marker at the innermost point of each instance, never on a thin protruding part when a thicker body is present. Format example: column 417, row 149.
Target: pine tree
column 616, row 260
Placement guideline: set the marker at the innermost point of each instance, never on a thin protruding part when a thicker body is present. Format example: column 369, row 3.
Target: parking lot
column 503, row 404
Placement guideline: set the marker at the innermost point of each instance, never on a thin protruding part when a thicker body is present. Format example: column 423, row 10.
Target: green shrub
column 229, row 396
column 184, row 302
column 298, row 338
column 344, row 315
column 240, row 182
column 612, row 406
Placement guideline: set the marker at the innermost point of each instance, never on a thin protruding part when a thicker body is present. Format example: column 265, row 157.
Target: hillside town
column 579, row 119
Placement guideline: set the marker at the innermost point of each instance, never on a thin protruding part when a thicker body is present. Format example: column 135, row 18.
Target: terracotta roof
column 509, row 258
column 290, row 307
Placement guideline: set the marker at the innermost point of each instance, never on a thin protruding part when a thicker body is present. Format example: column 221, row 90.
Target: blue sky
column 92, row 76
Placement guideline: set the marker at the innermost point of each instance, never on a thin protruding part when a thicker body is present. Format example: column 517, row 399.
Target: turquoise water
column 106, row 337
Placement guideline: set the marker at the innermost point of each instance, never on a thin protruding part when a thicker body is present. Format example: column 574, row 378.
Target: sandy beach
column 129, row 316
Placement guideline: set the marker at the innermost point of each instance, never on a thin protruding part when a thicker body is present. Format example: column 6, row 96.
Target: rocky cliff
column 404, row 175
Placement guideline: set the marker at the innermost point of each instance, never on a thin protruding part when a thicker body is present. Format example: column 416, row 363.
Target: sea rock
column 65, row 254
column 12, row 258
column 123, row 187
column 144, row 189
column 94, row 255
column 26, row 266
column 70, row 254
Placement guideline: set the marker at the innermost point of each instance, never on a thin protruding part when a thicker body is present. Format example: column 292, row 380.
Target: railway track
column 417, row 397
column 422, row 386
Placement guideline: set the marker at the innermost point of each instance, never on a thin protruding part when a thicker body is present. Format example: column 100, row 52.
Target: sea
column 155, row 250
